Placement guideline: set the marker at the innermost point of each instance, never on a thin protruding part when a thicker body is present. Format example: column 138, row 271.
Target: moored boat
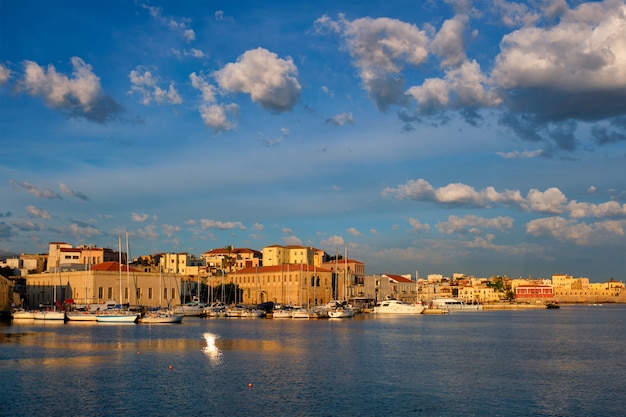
column 22, row 314
column 454, row 305
column 79, row 315
column 117, row 316
column 50, row 315
column 161, row 316
column 397, row 307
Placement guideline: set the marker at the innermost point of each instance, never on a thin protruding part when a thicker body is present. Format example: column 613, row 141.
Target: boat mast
column 119, row 248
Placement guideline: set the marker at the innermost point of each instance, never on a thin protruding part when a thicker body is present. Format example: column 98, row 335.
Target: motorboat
column 397, row 307
column 453, row 305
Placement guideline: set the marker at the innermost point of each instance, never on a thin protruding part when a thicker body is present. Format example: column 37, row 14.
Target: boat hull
column 117, row 318
column 50, row 315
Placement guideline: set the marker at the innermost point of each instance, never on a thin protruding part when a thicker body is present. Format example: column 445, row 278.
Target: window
column 173, row 293
column 165, row 293
column 100, row 293
column 126, row 293
column 110, row 293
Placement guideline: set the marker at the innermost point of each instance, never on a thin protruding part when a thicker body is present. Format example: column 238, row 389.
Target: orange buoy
column 250, row 385
column 171, row 367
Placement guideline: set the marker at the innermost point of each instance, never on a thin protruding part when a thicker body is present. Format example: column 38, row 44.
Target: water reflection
column 211, row 350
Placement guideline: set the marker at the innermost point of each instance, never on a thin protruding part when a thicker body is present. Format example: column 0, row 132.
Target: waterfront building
column 275, row 255
column 102, row 282
column 231, row 259
column 534, row 293
column 61, row 254
column 291, row 284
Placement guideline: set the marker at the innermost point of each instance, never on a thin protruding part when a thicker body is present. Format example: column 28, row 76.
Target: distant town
column 289, row 275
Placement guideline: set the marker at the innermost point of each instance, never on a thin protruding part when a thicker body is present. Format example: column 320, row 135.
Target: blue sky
column 482, row 137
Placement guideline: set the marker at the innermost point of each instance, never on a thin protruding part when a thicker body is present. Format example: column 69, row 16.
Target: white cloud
column 550, row 201
column 270, row 81
column 179, row 26
column 36, row 191
column 216, row 116
column 520, row 155
column 5, row 74
column 145, row 84
column 214, row 224
column 417, row 226
column 333, row 242
column 354, row 232
column 140, row 217
column 149, row 232
column 603, row 210
column 448, row 43
column 474, row 224
column 380, row 48
column 292, row 240
column 341, row 119
column 170, row 230
column 37, row 213
column 65, row 189
column 199, row 82
column 581, row 234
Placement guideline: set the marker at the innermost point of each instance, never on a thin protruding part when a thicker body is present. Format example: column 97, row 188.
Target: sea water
column 566, row 362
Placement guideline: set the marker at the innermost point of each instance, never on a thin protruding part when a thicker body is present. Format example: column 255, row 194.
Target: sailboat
column 118, row 315
column 53, row 314
column 161, row 315
column 341, row 309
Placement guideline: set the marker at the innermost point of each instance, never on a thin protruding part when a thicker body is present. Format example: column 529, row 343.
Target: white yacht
column 397, row 307
column 453, row 305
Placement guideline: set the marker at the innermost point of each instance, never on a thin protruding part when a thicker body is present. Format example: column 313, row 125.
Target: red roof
column 112, row 266
column 398, row 278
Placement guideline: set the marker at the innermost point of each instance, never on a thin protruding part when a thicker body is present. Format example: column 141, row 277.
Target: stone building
column 289, row 284
column 102, row 282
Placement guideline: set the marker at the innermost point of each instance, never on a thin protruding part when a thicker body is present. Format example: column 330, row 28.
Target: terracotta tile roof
column 398, row 278
column 112, row 266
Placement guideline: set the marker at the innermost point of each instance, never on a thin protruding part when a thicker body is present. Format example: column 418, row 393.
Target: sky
column 436, row 137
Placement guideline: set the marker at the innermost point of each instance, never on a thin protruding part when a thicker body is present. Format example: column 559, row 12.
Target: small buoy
column 171, row 367
column 138, row 353
column 250, row 385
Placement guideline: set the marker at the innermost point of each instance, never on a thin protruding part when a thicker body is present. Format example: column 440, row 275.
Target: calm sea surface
column 567, row 362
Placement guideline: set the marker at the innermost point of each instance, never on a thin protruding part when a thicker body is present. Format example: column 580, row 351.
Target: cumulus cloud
column 170, row 231
column 474, row 224
column 67, row 190
column 570, row 230
column 218, row 117
column 137, row 217
column 80, row 96
column 454, row 194
column 145, row 84
column 570, row 70
column 341, row 119
column 6, row 231
column 269, row 80
column 418, row 226
column 448, row 43
column 36, row 191
column 550, row 201
column 354, row 232
column 149, row 232
column 214, row 224
column 333, row 242
column 26, row 226
column 380, row 48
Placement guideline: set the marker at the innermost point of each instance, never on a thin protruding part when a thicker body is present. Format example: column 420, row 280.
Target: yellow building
column 105, row 281
column 282, row 255
column 282, row 284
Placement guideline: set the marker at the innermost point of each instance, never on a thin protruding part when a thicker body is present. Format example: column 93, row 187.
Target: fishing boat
column 397, row 307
